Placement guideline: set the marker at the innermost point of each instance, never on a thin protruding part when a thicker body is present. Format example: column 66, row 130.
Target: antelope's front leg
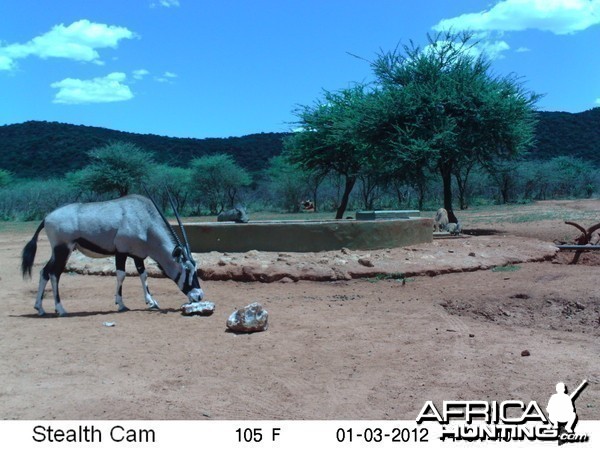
column 120, row 260
column 139, row 265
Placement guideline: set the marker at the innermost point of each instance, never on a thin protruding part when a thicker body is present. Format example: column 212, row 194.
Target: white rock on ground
column 249, row 319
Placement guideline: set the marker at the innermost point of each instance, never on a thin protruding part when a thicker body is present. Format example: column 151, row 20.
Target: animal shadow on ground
column 481, row 232
column 95, row 313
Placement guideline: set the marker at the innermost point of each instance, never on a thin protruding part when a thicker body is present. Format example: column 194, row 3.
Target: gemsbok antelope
column 131, row 226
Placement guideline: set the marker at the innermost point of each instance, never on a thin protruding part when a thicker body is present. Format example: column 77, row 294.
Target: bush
column 32, row 199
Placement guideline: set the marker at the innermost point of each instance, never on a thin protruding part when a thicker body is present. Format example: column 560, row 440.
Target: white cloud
column 106, row 89
column 556, row 16
column 492, row 49
column 6, row 63
column 78, row 41
column 166, row 77
column 140, row 74
column 598, row 101
column 523, row 50
column 164, row 3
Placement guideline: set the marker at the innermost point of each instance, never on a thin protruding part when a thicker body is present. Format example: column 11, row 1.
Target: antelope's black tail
column 28, row 254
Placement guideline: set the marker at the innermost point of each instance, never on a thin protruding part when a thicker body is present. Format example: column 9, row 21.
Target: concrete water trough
column 308, row 235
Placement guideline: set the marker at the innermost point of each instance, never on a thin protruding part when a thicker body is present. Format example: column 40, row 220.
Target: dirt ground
column 371, row 340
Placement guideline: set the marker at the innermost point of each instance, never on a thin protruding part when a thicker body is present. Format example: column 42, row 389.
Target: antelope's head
column 186, row 275
column 187, row 278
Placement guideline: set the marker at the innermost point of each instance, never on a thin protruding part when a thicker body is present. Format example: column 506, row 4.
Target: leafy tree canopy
column 330, row 140
column 445, row 109
column 217, row 180
column 116, row 167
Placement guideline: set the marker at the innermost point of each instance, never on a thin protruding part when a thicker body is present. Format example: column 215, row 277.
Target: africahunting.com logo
column 481, row 420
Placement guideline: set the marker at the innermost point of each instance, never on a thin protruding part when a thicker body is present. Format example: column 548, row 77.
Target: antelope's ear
column 177, row 252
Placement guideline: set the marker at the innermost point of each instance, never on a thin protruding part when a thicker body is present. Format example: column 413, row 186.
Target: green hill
column 561, row 133
column 49, row 149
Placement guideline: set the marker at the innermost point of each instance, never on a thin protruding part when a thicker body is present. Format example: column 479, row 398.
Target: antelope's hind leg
column 120, row 260
column 44, row 277
column 139, row 265
column 52, row 271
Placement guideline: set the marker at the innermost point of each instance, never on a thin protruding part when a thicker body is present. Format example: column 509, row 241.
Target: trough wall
column 308, row 236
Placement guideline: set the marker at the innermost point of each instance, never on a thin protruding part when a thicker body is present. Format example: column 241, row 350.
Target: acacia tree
column 165, row 180
column 117, row 167
column 447, row 109
column 289, row 184
column 330, row 140
column 217, row 179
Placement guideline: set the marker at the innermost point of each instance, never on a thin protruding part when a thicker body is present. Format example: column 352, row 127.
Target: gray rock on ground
column 249, row 319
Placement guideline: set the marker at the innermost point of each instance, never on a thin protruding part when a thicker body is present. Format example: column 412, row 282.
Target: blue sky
column 196, row 68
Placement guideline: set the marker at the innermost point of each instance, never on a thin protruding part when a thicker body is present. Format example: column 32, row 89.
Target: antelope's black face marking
column 187, row 280
column 191, row 281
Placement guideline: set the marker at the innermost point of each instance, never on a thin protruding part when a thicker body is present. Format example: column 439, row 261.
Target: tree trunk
column 348, row 186
column 315, row 199
column 446, row 172
column 421, row 189
column 462, row 183
column 231, row 193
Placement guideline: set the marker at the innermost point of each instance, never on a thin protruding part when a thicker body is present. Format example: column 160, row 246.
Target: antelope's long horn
column 183, row 233
column 164, row 218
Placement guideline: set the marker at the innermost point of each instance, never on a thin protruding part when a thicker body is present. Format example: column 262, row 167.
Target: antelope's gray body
column 131, row 226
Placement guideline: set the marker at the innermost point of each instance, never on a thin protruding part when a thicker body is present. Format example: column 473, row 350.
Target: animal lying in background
column 307, row 206
column 440, row 221
column 131, row 226
column 237, row 214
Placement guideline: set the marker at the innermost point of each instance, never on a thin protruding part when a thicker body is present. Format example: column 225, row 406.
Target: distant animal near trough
column 132, row 226
column 308, row 206
column 441, row 223
column 440, row 220
column 237, row 214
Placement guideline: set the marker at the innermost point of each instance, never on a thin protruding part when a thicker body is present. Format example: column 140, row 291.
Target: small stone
column 525, row 353
column 471, row 335
column 472, row 254
column 365, row 262
column 198, row 308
